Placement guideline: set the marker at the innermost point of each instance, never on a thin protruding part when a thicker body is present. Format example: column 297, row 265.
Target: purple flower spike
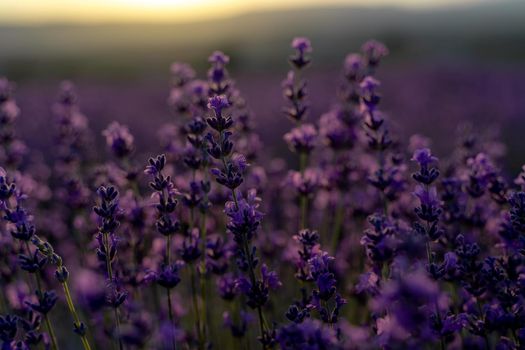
column 119, row 139
column 428, row 196
column 302, row 47
column 219, row 58
column 218, row 103
column 424, row 157
column 302, row 44
column 374, row 51
column 302, row 139
column 353, row 66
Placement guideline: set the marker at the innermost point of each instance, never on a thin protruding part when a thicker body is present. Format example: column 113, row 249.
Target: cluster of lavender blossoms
column 357, row 239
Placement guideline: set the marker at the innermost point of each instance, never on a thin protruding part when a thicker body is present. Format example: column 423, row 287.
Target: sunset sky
column 94, row 11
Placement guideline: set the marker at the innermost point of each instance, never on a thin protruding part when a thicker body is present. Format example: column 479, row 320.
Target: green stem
column 429, row 259
column 168, row 290
column 110, row 276
column 54, row 343
column 304, row 210
column 338, row 222
column 196, row 306
column 50, row 330
column 262, row 322
column 204, row 279
column 73, row 312
column 170, row 314
column 303, row 162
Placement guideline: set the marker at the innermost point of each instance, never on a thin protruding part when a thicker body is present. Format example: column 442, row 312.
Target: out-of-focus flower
column 119, row 139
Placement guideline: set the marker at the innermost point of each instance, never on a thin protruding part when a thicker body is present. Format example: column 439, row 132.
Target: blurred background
column 451, row 62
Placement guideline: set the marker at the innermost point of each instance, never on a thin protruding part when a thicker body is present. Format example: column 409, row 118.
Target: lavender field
column 295, row 203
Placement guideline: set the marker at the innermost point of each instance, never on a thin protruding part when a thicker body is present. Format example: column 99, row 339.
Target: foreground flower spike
column 107, row 212
column 221, row 147
column 244, row 218
column 167, row 225
column 26, row 231
column 34, row 263
column 429, row 209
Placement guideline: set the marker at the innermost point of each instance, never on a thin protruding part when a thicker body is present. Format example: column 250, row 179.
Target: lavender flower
column 107, row 250
column 119, row 140
column 217, row 74
column 301, row 139
column 374, row 51
column 301, row 46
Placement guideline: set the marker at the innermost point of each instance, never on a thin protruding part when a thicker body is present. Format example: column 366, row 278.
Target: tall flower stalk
column 33, row 263
column 26, row 231
column 107, row 212
column 428, row 210
column 302, row 138
column 167, row 225
column 244, row 218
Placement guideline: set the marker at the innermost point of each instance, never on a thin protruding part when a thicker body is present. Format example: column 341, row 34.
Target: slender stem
column 110, row 277
column 304, row 209
column 204, row 276
column 338, row 222
column 73, row 312
column 170, row 314
column 50, row 330
column 168, row 290
column 204, row 315
column 108, row 261
column 262, row 323
column 429, row 259
column 382, row 195
column 168, row 249
column 54, row 343
column 303, row 163
column 196, row 306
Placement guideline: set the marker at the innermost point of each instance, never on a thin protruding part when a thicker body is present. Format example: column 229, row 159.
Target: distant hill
column 484, row 33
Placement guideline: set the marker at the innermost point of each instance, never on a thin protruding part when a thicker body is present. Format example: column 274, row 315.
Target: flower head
column 302, row 47
column 424, row 157
column 119, row 139
column 169, row 277
column 218, row 103
column 219, row 58
column 302, row 139
column 353, row 66
column 373, row 51
column 302, row 44
column 181, row 73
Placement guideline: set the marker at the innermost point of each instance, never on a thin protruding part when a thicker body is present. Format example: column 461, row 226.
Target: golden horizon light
column 122, row 11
